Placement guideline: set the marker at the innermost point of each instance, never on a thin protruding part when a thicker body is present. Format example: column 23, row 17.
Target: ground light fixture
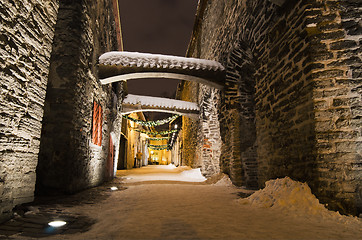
column 57, row 223
column 114, row 188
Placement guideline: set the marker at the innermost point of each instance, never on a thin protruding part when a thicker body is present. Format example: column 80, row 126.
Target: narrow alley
column 180, row 119
column 165, row 202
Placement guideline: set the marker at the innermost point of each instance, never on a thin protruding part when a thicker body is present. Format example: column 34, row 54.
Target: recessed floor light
column 57, row 223
column 114, row 188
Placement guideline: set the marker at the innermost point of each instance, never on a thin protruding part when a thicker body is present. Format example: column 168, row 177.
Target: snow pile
column 224, row 181
column 193, row 174
column 159, row 102
column 170, row 166
column 286, row 193
column 146, row 60
column 291, row 196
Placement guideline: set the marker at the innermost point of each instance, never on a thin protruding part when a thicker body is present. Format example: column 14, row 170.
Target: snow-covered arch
column 145, row 75
column 190, row 115
column 137, row 103
column 123, row 66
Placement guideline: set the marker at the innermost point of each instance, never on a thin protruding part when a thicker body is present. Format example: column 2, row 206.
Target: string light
column 158, row 138
column 156, row 133
column 151, row 123
column 158, row 147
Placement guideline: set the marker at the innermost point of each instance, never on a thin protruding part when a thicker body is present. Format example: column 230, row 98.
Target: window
column 97, row 124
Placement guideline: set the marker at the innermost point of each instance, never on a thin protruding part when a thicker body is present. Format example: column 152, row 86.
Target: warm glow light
column 114, row 188
column 151, row 152
column 57, row 223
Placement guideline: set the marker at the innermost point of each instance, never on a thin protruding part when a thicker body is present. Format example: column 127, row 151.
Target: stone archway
column 137, row 103
column 123, row 66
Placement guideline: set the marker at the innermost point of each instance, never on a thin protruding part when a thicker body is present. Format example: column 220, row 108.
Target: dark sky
column 160, row 27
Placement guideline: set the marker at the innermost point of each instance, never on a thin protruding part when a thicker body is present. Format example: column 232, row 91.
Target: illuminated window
column 97, row 124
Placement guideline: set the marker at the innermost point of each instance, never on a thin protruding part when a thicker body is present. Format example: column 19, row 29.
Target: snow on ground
column 172, row 210
column 193, row 175
column 224, row 181
column 162, row 173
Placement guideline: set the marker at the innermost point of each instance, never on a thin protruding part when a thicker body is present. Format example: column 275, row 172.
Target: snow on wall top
column 159, row 102
column 147, row 60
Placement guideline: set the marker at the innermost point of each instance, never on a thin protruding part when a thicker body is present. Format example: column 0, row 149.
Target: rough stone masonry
column 292, row 99
column 69, row 158
column 59, row 41
column 26, row 34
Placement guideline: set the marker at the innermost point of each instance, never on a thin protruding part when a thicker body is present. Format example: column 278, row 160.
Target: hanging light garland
column 151, row 123
column 158, row 147
column 156, row 133
column 158, row 138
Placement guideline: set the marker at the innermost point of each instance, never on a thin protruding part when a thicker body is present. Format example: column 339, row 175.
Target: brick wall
column 69, row 160
column 26, row 34
column 291, row 106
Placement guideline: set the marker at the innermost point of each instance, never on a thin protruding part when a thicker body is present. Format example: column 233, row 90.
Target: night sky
column 159, row 27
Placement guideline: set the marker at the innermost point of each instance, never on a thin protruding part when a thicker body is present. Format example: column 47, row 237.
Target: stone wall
column 188, row 92
column 335, row 34
column 237, row 117
column 68, row 160
column 26, row 34
column 209, row 141
column 291, row 103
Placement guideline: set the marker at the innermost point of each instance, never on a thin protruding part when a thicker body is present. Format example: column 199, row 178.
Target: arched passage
column 151, row 75
column 189, row 111
column 161, row 146
column 123, row 66
column 136, row 103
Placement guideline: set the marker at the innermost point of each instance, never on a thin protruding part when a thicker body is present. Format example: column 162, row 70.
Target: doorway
column 122, row 163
